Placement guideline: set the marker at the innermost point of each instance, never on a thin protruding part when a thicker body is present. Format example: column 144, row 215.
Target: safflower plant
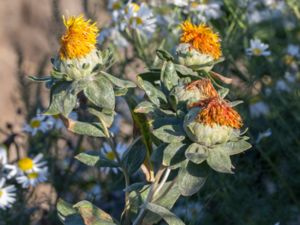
column 187, row 128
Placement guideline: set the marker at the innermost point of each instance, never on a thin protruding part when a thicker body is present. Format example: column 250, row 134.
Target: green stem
column 153, row 189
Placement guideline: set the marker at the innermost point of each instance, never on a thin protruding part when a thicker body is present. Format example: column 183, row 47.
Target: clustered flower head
column 212, row 120
column 200, row 45
column 78, row 56
column 79, row 39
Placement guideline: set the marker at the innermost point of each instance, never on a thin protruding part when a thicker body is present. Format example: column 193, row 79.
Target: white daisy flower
column 139, row 18
column 115, row 6
column 109, row 154
column 7, row 169
column 258, row 109
column 205, row 11
column 37, row 123
column 7, row 195
column 32, row 179
column 179, row 3
column 30, row 165
column 258, row 48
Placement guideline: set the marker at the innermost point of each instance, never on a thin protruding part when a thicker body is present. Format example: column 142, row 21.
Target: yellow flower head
column 25, row 164
column 202, row 38
column 79, row 39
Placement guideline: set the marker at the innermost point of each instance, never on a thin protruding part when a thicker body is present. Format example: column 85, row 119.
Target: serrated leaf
column 100, row 92
column 189, row 183
column 155, row 95
column 167, row 216
column 196, row 153
column 220, row 161
column 170, row 133
column 93, row 215
column 134, row 156
column 63, row 99
column 174, row 153
column 119, row 82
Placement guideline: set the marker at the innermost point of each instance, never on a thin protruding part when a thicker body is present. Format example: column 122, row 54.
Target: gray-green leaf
column 167, row 216
column 170, row 133
column 196, row 153
column 100, row 92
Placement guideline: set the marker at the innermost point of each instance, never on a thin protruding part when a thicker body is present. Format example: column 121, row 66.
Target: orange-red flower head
column 216, row 111
column 202, row 38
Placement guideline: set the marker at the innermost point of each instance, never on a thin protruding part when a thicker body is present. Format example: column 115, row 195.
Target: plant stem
column 152, row 191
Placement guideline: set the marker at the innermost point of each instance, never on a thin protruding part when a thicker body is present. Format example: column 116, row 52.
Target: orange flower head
column 79, row 39
column 216, row 111
column 202, row 38
column 204, row 86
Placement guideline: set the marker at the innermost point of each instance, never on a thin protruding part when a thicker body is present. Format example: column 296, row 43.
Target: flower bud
column 195, row 91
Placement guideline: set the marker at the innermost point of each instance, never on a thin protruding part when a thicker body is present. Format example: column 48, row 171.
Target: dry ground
column 29, row 34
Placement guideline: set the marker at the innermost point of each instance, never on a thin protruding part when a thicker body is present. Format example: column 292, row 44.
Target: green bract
column 192, row 58
column 205, row 134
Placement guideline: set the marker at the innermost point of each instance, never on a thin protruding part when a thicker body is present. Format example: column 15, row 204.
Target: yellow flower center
column 35, row 123
column 25, row 164
column 134, row 6
column 256, row 51
column 79, row 39
column 32, row 175
column 202, row 38
column 1, row 193
column 194, row 4
column 111, row 155
column 137, row 20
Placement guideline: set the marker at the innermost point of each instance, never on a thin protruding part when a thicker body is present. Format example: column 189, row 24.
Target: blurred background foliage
column 265, row 188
